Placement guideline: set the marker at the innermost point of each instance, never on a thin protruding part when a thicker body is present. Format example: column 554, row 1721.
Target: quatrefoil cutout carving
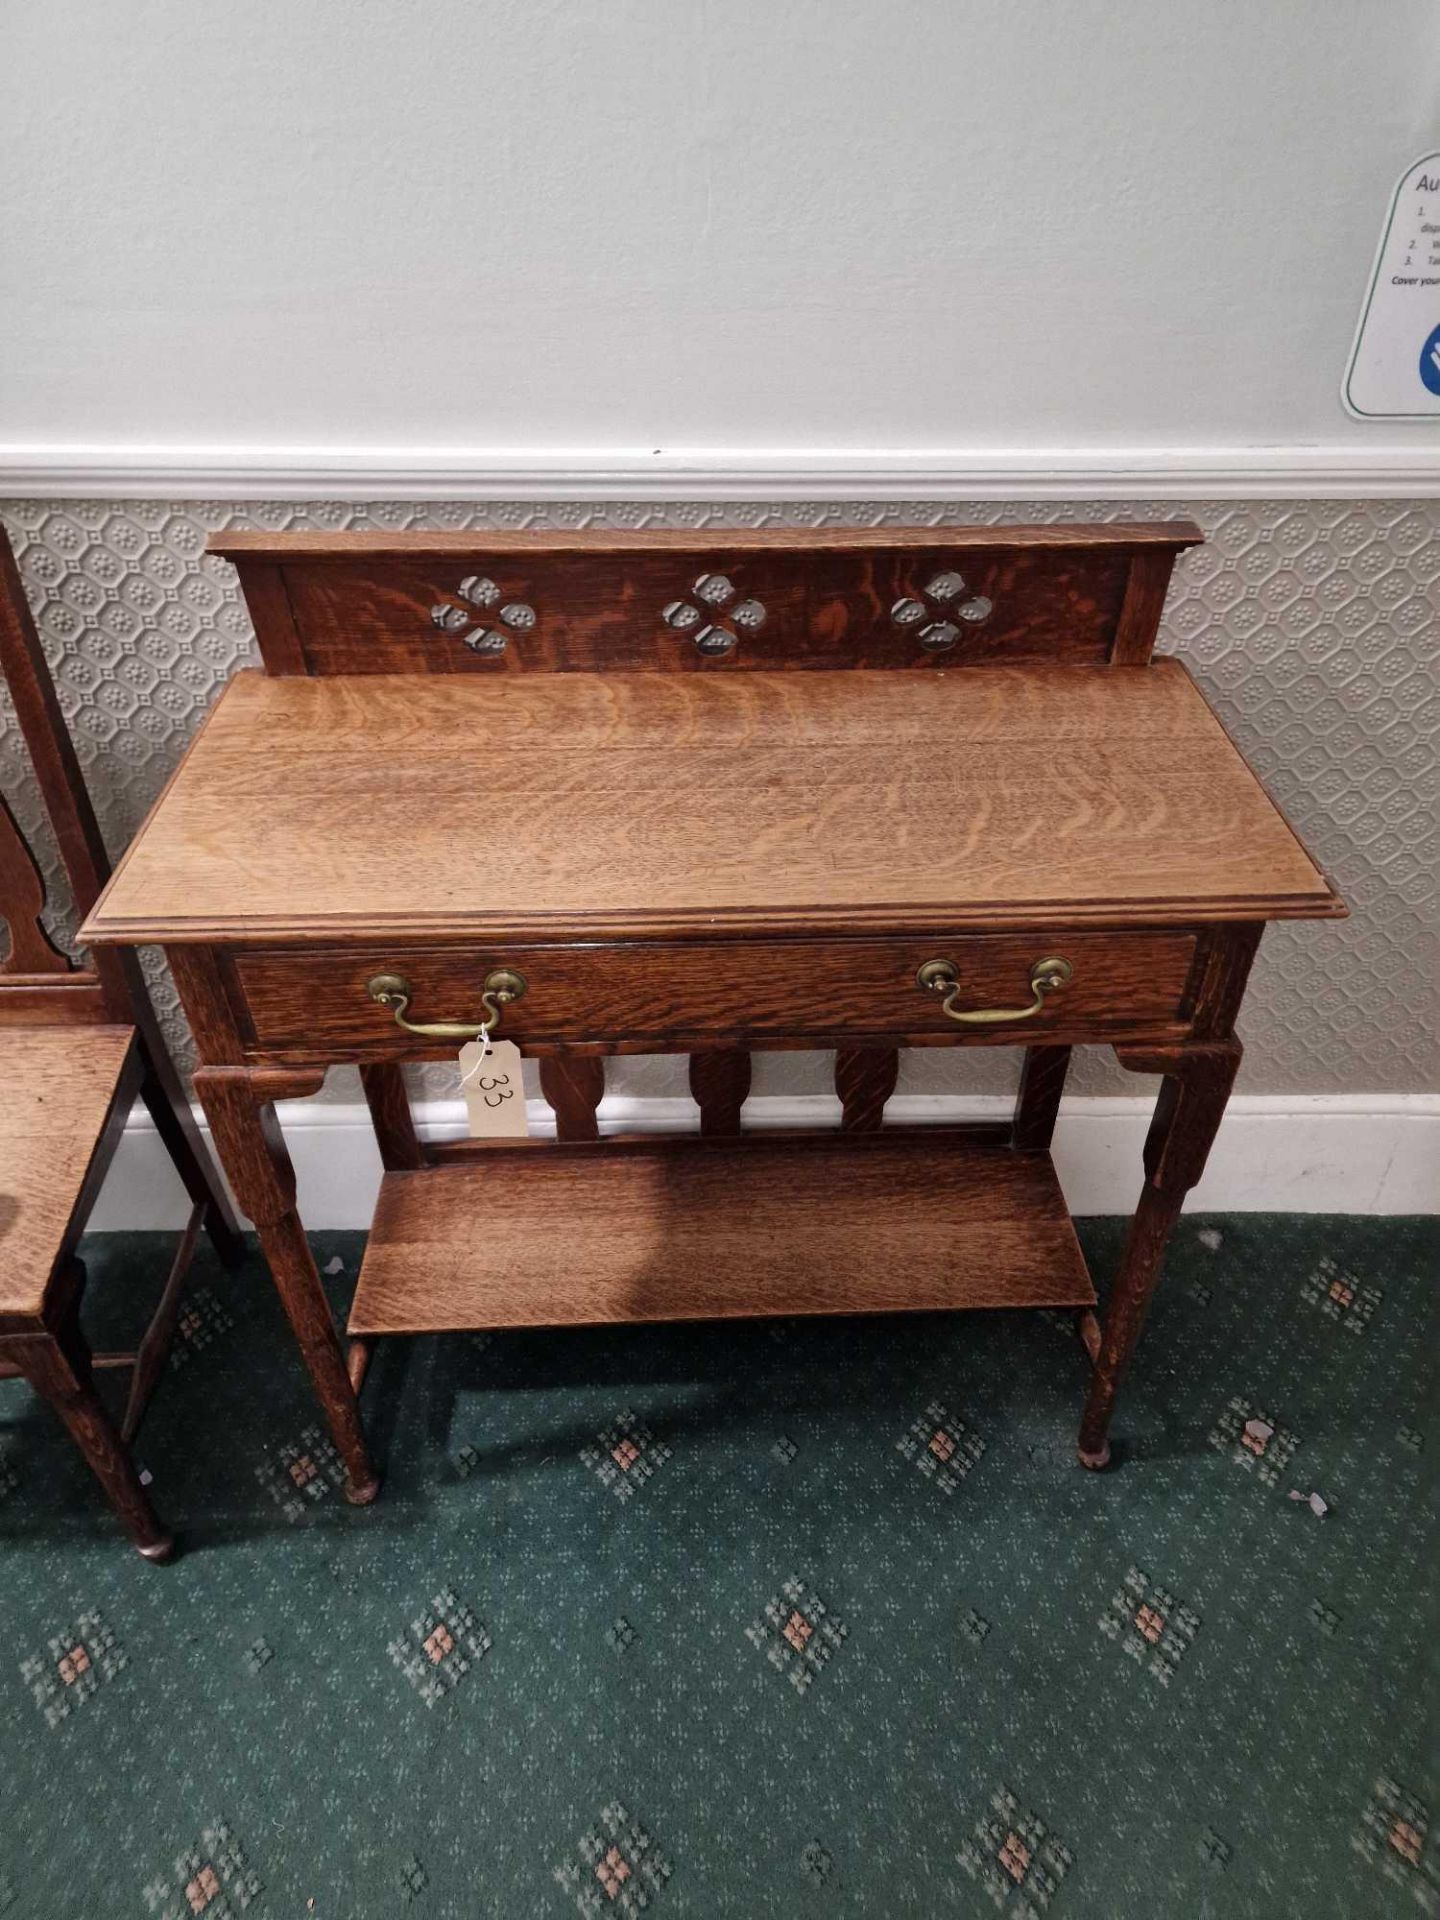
column 712, row 594
column 944, row 596
column 483, row 602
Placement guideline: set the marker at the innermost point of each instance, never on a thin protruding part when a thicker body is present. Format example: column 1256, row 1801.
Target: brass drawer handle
column 943, row 976
column 501, row 987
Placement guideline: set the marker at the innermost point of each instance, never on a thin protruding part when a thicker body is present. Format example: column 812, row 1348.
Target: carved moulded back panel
column 662, row 604
column 22, row 904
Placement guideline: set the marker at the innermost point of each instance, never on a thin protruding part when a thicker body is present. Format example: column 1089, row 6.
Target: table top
column 586, row 805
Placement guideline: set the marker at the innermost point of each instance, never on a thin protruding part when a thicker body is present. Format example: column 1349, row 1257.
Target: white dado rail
column 1407, row 468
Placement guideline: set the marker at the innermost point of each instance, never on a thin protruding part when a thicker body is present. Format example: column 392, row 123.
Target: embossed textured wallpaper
column 1314, row 626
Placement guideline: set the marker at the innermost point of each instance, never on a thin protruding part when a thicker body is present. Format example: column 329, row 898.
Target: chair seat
column 57, row 1087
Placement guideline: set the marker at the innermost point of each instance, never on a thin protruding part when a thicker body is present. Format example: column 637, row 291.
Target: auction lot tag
column 494, row 1089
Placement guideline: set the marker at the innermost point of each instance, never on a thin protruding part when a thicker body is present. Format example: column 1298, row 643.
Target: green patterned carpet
column 784, row 1619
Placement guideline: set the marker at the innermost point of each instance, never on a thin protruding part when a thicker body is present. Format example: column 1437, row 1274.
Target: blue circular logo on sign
column 1430, row 362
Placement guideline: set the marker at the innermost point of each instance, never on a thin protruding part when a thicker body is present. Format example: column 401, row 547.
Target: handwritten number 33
column 499, row 1080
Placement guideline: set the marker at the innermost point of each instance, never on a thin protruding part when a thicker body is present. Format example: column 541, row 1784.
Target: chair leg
column 154, row 1348
column 57, row 1365
column 175, row 1124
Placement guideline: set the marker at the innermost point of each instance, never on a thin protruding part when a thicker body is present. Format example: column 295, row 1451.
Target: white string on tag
column 486, row 1051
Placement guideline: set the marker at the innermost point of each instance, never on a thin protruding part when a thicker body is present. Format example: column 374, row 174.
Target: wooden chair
column 77, row 1043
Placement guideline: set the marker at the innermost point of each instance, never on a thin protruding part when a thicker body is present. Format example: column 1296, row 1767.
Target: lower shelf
column 691, row 1230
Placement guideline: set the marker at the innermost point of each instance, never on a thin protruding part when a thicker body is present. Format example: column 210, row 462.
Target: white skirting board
column 1342, row 1153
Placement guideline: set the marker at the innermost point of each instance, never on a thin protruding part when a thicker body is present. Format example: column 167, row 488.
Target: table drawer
column 316, row 1000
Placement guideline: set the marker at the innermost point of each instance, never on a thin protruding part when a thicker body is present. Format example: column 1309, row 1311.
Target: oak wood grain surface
column 56, row 1088
column 601, row 804
column 691, row 1230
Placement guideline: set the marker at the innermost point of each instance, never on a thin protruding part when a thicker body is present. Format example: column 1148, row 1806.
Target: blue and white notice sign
column 1394, row 371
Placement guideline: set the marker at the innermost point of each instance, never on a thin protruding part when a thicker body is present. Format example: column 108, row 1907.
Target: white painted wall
column 793, row 227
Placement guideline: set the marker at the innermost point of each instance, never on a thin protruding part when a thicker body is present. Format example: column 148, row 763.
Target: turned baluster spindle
column 719, row 1084
column 574, row 1084
column 864, row 1080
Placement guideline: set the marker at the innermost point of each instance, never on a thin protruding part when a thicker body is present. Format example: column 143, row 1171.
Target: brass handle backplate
column 943, row 976
column 392, row 990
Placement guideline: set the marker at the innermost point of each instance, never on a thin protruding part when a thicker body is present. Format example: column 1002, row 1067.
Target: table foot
column 1094, row 1461
column 157, row 1552
column 361, row 1493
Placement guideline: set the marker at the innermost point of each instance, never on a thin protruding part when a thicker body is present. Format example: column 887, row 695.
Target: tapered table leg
column 1187, row 1116
column 238, row 1102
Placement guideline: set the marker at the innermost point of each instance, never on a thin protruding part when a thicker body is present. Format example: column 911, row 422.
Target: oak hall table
column 682, row 791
